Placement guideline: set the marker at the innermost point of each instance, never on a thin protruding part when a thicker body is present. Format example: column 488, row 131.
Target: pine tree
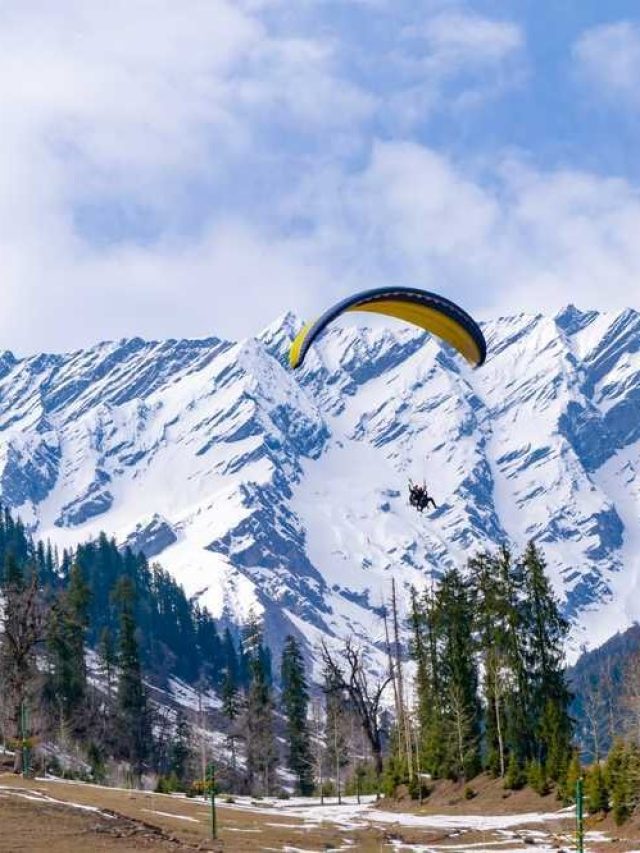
column 67, row 682
column 537, row 778
column 95, row 757
column 295, row 703
column 622, row 775
column 13, row 575
column 574, row 772
column 181, row 750
column 418, row 652
column 108, row 659
column 596, row 791
column 430, row 713
column 617, row 781
column 231, row 708
column 459, row 677
column 133, row 714
column 546, row 632
column 210, row 646
column 230, row 698
column 620, row 799
column 633, row 773
column 258, row 718
column 491, row 626
column 515, row 777
column 518, row 737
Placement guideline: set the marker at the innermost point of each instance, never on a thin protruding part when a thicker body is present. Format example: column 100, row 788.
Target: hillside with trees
column 606, row 687
column 92, row 640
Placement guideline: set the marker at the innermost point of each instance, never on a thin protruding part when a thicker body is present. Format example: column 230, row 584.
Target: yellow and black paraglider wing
column 429, row 311
column 296, row 355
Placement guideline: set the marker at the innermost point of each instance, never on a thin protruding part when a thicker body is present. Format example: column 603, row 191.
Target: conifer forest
column 91, row 640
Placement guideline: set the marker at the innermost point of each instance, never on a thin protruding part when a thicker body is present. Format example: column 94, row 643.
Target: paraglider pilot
column 419, row 497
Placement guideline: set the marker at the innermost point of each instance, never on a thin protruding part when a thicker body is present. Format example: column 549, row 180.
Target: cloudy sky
column 198, row 167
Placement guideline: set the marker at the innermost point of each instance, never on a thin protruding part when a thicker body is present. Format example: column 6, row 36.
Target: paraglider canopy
column 431, row 312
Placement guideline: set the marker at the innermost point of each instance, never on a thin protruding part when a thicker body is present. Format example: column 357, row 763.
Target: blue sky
column 194, row 168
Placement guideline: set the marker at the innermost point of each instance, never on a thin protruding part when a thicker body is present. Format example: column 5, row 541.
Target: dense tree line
column 602, row 680
column 43, row 671
column 608, row 709
column 176, row 636
column 489, row 678
column 142, row 629
column 489, row 653
column 136, row 619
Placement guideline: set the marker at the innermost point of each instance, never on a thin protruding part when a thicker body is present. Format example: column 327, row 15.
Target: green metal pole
column 580, row 816
column 212, row 791
column 24, row 758
column 25, row 747
column 28, row 718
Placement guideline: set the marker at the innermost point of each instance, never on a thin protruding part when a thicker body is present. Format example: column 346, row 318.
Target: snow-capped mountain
column 258, row 487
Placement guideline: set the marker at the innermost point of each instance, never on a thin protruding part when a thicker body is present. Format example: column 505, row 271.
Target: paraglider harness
column 419, row 497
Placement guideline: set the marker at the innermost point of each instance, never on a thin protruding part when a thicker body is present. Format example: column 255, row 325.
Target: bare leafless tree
column 611, row 692
column 496, row 677
column 349, row 673
column 22, row 623
column 317, row 744
column 393, row 673
column 630, row 699
column 403, row 720
column 462, row 744
column 595, row 711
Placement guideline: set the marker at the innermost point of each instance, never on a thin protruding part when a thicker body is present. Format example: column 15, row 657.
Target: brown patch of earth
column 39, row 826
column 489, row 797
column 52, row 821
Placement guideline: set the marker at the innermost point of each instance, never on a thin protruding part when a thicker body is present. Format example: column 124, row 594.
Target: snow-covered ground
column 503, row 832
column 350, row 813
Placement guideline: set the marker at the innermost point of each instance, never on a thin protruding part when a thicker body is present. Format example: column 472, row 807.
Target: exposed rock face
column 152, row 538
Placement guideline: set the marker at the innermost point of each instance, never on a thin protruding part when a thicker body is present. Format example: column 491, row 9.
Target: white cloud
column 231, row 281
column 293, row 78
column 186, row 169
column 129, row 136
column 455, row 61
column 457, row 39
column 523, row 240
column 608, row 56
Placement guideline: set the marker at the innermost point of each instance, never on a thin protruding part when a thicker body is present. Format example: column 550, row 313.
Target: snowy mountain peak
column 286, row 492
column 277, row 336
column 571, row 320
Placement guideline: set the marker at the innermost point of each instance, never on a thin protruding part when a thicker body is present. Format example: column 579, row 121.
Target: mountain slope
column 260, row 488
column 603, row 681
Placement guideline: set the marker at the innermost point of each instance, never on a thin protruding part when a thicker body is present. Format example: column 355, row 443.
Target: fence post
column 24, row 725
column 212, row 792
column 580, row 815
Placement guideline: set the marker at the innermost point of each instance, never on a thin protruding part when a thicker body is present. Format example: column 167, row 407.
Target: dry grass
column 490, row 797
column 50, row 821
column 135, row 820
